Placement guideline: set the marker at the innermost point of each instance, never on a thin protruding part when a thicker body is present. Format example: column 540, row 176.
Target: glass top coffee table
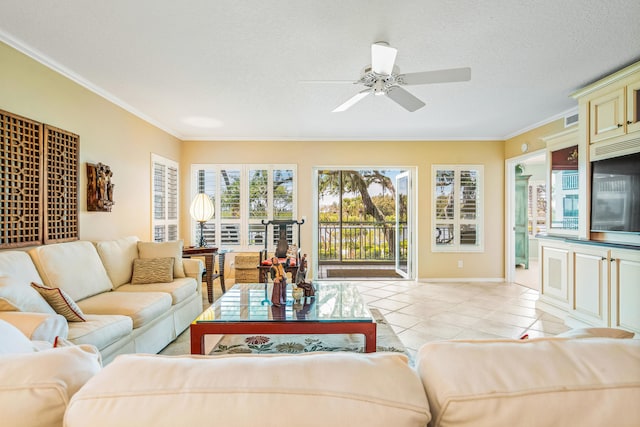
column 245, row 309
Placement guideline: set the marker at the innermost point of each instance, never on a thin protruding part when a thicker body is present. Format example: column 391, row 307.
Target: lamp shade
column 201, row 208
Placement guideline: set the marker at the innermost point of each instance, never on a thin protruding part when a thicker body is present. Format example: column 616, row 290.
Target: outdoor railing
column 361, row 241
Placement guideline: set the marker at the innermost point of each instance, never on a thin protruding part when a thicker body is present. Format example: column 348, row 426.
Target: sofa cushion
column 152, row 270
column 117, row 257
column 313, row 389
column 74, row 267
column 162, row 250
column 60, row 302
column 35, row 388
column 17, row 295
column 100, row 330
column 18, row 264
column 141, row 307
column 581, row 382
column 179, row 289
column 596, row 333
column 13, row 341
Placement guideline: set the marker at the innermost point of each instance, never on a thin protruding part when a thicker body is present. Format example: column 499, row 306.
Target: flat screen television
column 615, row 194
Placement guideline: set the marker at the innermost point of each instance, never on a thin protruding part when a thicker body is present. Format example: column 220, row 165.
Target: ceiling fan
column 383, row 77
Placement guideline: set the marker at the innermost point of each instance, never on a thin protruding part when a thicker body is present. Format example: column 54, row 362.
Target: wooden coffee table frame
column 200, row 329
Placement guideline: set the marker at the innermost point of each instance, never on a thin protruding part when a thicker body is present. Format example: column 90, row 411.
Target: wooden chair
column 289, row 260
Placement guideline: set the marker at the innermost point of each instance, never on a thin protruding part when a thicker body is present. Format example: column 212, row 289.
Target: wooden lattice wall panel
column 61, row 177
column 20, row 181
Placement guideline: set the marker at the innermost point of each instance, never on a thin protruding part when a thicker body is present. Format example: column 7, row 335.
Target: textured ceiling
column 203, row 69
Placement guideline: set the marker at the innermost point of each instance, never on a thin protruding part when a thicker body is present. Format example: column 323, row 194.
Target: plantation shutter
column 230, row 213
column 457, row 205
column 206, row 183
column 164, row 183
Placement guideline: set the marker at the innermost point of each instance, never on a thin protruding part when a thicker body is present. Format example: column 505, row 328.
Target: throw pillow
column 162, row 250
column 152, row 270
column 17, row 295
column 60, row 302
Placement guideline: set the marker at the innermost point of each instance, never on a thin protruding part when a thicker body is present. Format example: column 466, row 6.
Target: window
column 244, row 196
column 164, row 190
column 457, row 207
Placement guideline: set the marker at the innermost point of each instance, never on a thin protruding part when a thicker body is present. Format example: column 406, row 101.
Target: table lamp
column 202, row 211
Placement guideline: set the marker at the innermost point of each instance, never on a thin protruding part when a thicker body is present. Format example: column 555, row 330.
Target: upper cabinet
column 615, row 113
column 611, row 107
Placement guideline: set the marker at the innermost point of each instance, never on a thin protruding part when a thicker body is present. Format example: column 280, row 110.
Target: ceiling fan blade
column 383, row 57
column 351, row 101
column 404, row 99
column 437, row 76
column 327, row 82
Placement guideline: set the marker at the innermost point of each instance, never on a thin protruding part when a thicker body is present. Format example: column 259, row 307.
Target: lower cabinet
column 590, row 284
column 625, row 289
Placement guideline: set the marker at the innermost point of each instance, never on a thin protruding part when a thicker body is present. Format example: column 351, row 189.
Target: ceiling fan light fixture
column 383, row 77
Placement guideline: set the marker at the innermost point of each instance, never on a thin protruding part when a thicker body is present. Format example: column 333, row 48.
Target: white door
column 403, row 244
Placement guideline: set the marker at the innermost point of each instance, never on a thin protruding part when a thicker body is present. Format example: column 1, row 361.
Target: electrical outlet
column 460, row 263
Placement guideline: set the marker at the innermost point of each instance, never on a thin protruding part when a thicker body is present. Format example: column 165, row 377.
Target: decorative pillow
column 60, row 302
column 16, row 295
column 596, row 333
column 13, row 341
column 152, row 270
column 162, row 250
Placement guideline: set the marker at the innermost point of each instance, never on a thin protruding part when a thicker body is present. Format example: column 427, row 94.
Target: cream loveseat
column 119, row 317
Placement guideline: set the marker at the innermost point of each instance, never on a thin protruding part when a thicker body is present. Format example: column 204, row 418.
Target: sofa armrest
column 194, row 268
column 38, row 326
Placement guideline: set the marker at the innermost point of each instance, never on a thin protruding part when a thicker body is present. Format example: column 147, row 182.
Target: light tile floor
column 420, row 312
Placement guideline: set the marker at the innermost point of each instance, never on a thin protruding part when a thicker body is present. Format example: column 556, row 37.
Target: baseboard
column 462, row 279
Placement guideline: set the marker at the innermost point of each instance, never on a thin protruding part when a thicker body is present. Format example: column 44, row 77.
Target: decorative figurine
column 279, row 293
column 301, row 276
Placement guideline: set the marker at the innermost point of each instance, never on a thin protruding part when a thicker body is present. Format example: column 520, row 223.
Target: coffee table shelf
column 243, row 309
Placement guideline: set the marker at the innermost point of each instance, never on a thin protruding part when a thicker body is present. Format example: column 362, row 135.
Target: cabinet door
column 522, row 220
column 633, row 107
column 554, row 276
column 607, row 116
column 625, row 290
column 591, row 286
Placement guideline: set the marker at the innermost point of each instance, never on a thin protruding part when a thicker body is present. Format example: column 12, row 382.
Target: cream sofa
column 539, row 382
column 120, row 317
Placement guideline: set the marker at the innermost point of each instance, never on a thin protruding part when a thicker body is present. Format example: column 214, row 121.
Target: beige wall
column 533, row 138
column 108, row 134
column 310, row 154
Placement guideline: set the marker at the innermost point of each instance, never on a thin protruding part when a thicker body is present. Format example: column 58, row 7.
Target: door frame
column 510, row 211
column 412, row 225
column 405, row 274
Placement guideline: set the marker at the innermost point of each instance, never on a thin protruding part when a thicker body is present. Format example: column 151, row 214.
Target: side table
column 209, row 255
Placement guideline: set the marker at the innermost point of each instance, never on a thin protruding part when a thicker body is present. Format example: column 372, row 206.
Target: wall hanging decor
column 38, row 183
column 99, row 187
